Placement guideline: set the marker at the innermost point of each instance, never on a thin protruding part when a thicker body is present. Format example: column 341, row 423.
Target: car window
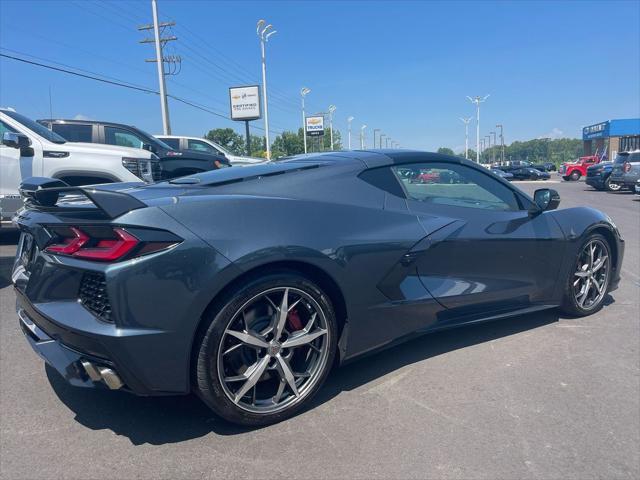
column 73, row 132
column 5, row 128
column 35, row 127
column 201, row 146
column 455, row 185
column 122, row 137
column 172, row 142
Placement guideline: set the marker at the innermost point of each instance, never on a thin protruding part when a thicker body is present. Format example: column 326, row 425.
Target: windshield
column 35, row 127
column 627, row 157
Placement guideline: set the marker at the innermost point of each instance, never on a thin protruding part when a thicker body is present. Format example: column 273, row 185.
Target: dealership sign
column 245, row 102
column 599, row 130
column 314, row 126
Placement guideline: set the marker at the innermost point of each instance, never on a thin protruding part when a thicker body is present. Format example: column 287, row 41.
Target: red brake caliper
column 294, row 320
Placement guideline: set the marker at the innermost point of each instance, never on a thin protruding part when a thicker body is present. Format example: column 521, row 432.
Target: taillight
column 626, row 167
column 102, row 244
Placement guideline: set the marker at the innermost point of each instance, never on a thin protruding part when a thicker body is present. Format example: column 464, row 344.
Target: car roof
column 86, row 122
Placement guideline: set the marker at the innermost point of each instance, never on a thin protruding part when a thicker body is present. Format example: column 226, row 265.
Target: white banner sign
column 245, row 103
column 314, row 126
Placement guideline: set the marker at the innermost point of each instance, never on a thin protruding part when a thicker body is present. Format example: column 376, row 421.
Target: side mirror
column 545, row 199
column 149, row 147
column 15, row 140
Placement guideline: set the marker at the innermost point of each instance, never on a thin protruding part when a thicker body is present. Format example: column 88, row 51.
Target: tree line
column 289, row 143
column 558, row 151
column 286, row 144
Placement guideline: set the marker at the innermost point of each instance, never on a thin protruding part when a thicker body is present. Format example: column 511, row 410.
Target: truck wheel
column 575, row 175
column 566, row 179
column 611, row 187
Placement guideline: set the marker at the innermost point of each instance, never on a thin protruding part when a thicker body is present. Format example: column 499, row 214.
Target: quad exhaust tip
column 102, row 374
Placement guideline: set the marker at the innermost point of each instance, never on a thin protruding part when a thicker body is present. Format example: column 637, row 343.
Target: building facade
column 621, row 135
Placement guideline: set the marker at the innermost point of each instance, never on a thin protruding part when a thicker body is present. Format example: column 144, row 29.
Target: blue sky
column 403, row 67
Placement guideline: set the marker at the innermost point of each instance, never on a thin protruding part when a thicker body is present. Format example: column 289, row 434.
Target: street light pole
column 303, row 93
column 349, row 120
column 478, row 101
column 362, row 137
column 332, row 108
column 264, row 32
column 501, row 140
column 386, row 142
column 493, row 152
column 380, row 140
column 466, row 135
column 374, row 136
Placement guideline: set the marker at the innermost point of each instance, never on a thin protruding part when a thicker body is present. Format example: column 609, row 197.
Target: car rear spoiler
column 45, row 192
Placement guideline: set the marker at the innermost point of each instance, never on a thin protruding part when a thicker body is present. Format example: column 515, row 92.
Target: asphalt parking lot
column 536, row 396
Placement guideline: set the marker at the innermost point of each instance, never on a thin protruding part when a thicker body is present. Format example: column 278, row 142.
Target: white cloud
column 81, row 117
column 553, row 134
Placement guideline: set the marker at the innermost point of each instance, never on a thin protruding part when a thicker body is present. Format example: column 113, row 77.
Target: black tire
column 575, row 176
column 570, row 304
column 608, row 186
column 566, row 179
column 207, row 380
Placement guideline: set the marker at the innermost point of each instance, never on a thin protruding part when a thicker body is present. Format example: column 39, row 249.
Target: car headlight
column 140, row 167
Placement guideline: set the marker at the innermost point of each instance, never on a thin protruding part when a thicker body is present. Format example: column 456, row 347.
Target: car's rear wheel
column 575, row 176
column 589, row 279
column 610, row 186
column 267, row 350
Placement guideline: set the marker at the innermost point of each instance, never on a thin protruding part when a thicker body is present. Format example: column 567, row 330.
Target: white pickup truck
column 29, row 149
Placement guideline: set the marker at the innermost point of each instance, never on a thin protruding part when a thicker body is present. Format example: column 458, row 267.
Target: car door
column 494, row 256
column 122, row 137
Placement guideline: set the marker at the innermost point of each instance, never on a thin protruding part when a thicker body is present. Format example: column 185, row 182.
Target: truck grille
column 93, row 295
column 156, row 170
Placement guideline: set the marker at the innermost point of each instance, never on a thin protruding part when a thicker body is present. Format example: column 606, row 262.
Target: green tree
column 257, row 146
column 446, row 151
column 227, row 138
column 288, row 143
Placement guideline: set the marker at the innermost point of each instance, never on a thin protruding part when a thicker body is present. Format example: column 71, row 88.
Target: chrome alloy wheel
column 274, row 350
column 591, row 277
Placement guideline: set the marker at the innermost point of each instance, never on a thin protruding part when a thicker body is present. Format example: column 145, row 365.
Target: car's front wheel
column 267, row 349
column 589, row 279
column 610, row 186
column 575, row 176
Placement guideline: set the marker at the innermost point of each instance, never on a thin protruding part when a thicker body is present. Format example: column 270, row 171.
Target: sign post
column 314, row 127
column 245, row 106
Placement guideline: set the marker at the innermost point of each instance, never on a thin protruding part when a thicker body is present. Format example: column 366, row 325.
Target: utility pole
column 160, row 41
column 332, row 108
column 349, row 120
column 466, row 136
column 478, row 101
column 362, row 137
column 303, row 93
column 264, row 32
column 501, row 140
column 493, row 152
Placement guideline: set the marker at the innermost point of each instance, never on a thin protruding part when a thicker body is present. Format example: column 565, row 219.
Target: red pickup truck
column 577, row 169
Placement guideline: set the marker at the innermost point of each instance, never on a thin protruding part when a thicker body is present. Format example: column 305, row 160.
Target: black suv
column 173, row 163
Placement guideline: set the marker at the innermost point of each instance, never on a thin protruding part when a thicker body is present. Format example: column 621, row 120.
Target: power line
column 122, row 83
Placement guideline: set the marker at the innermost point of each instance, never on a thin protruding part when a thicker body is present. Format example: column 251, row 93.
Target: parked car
column 529, row 174
column 626, row 169
column 29, row 149
column 264, row 277
column 207, row 146
column 576, row 170
column 425, row 176
column 508, row 166
column 636, row 188
column 599, row 177
column 173, row 163
column 502, row 173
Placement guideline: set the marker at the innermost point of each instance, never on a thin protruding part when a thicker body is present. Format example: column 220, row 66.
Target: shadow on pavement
column 161, row 420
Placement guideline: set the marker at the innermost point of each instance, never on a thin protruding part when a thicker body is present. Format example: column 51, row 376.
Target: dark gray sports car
column 246, row 285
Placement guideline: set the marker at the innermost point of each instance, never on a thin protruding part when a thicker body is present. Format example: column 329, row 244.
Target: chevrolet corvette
column 247, row 285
